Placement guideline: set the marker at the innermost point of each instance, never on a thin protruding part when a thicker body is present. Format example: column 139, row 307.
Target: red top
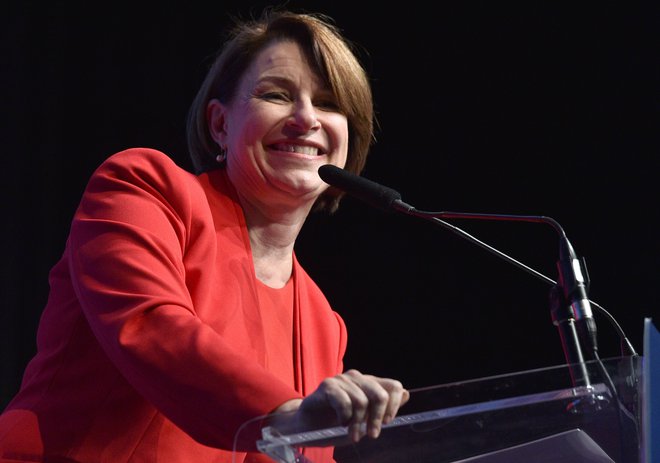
column 276, row 305
column 153, row 346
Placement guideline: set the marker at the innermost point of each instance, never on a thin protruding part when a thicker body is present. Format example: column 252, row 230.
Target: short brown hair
column 331, row 55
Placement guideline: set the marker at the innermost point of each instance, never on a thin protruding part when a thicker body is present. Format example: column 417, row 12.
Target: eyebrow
column 286, row 81
column 279, row 80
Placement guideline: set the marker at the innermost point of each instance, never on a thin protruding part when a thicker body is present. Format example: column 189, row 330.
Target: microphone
column 571, row 308
column 372, row 193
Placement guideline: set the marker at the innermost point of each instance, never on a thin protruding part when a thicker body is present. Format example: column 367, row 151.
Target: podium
column 530, row 416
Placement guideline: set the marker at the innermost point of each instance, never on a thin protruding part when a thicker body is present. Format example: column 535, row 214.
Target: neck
column 273, row 233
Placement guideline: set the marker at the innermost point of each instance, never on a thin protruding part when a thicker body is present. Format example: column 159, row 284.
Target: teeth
column 309, row 150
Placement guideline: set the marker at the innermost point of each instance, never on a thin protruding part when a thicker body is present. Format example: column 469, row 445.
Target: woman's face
column 280, row 128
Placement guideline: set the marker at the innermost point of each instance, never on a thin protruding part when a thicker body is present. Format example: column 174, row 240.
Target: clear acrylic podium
column 539, row 415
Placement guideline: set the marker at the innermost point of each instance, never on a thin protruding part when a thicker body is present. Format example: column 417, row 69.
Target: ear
column 215, row 117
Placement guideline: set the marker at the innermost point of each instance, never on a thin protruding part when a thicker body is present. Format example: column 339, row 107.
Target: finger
column 345, row 397
column 373, row 411
column 386, row 396
column 360, row 394
column 398, row 396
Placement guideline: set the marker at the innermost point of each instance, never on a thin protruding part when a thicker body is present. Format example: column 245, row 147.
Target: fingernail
column 355, row 433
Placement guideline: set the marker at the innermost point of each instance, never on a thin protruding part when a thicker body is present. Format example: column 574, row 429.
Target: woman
column 178, row 311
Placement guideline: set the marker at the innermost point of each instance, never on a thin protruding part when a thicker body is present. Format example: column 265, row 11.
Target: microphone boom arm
column 436, row 217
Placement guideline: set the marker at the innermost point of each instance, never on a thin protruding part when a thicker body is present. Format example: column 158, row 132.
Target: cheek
column 242, row 137
column 340, row 133
column 247, row 124
column 333, row 122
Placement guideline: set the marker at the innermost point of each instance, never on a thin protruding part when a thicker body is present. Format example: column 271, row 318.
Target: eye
column 274, row 96
column 327, row 104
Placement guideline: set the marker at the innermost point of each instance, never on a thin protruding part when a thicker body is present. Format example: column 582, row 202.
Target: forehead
column 282, row 58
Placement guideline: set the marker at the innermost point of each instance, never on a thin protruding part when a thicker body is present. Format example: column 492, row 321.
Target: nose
column 304, row 116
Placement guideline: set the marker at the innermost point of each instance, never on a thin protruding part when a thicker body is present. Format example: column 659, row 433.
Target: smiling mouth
column 300, row 149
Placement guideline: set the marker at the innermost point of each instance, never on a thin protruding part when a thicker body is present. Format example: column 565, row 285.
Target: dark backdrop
column 525, row 108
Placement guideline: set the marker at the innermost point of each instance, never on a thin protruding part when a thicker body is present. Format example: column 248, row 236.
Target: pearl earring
column 222, row 157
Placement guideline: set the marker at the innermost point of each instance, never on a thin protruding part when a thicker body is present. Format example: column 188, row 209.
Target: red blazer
column 151, row 346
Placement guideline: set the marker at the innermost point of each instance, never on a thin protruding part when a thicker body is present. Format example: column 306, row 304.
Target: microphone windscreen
column 364, row 189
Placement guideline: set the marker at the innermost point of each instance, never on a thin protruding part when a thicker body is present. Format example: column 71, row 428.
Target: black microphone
column 370, row 192
column 572, row 307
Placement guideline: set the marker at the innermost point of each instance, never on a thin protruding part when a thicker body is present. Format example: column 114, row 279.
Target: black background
column 539, row 108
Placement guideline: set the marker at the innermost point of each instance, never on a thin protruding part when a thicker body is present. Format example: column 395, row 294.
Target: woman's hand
column 362, row 402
